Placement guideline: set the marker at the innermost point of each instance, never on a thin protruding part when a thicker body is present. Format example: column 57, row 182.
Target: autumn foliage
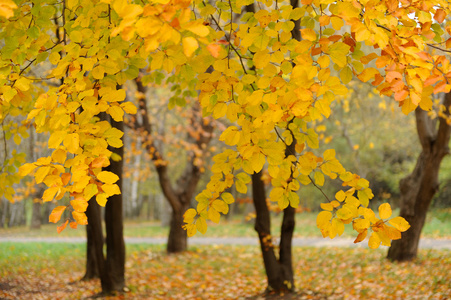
column 63, row 64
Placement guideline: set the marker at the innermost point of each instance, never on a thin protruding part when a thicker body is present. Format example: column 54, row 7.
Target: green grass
column 438, row 225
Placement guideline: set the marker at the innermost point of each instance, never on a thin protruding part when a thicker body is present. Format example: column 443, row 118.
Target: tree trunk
column 94, row 243
column 279, row 272
column 115, row 258
column 177, row 240
column 418, row 189
column 178, row 195
column 36, row 215
column 36, row 211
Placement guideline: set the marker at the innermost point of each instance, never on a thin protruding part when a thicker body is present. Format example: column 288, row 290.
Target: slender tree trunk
column 418, row 189
column 36, row 210
column 279, row 272
column 94, row 243
column 115, row 258
column 36, row 215
column 177, row 240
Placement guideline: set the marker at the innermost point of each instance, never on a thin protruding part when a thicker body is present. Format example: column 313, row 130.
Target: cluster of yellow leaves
column 273, row 88
column 346, row 209
column 85, row 67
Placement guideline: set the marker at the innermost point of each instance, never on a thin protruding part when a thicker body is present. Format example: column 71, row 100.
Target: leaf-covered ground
column 52, row 271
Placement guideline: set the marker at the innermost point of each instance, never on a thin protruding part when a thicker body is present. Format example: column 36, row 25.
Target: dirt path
column 313, row 242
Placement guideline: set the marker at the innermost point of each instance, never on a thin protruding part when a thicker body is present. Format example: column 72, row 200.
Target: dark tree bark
column 111, row 269
column 419, row 187
column 115, row 251
column 279, row 272
column 94, row 243
column 178, row 195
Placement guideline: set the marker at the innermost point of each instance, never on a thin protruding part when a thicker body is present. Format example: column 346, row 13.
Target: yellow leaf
column 392, row 233
column 56, row 138
column 399, row 223
column 79, row 205
column 323, row 61
column 72, row 142
column 26, row 169
column 101, row 199
column 323, row 218
column 107, row 177
column 55, row 216
column 116, row 112
column 319, row 178
column 228, row 198
column 22, row 84
column 327, row 206
column 230, row 136
column 114, row 95
column 374, row 241
column 190, row 45
column 308, row 34
column 7, row 8
column 73, row 225
column 262, row 59
column 111, row 189
column 338, row 52
column 361, row 225
column 220, row 110
column 344, row 213
column 129, row 108
column 98, row 72
column 80, row 217
column 49, row 194
column 190, row 229
column 385, row 211
column 198, row 28
column 220, row 206
column 283, row 202
column 276, row 194
column 59, row 156
column 346, row 75
column 189, row 215
column 214, row 215
column 89, row 191
column 201, row 225
column 337, row 23
column 41, row 173
column 368, row 74
column 338, row 226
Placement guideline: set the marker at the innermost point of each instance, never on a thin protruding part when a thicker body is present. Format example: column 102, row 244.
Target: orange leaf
column 73, row 225
column 65, row 178
column 214, row 50
column 61, row 228
column 361, row 236
column 55, row 216
column 440, row 15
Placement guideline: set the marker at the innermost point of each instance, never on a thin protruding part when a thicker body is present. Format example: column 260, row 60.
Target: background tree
column 179, row 193
column 418, row 189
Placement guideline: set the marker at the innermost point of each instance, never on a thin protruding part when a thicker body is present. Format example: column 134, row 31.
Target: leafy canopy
column 65, row 62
